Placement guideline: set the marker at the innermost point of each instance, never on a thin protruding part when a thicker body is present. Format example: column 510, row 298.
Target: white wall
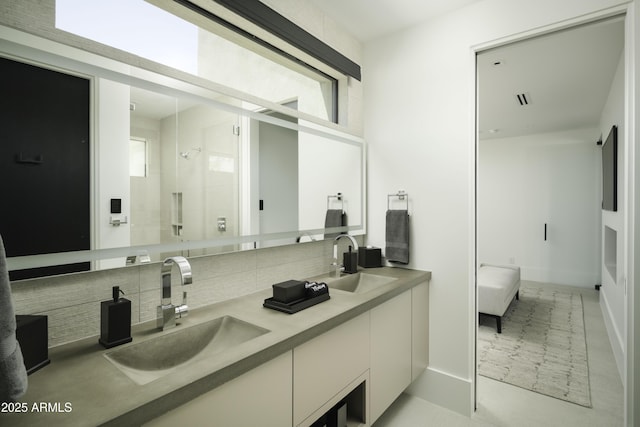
column 145, row 191
column 419, row 124
column 330, row 167
column 278, row 181
column 613, row 296
column 528, row 181
column 260, row 76
column 112, row 171
column 323, row 167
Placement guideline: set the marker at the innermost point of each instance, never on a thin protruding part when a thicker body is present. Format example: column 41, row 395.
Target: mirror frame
column 28, row 48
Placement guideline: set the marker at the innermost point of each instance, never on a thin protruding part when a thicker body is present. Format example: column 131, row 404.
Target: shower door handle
column 545, row 231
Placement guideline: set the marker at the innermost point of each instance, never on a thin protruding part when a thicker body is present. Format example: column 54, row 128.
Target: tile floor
column 503, row 405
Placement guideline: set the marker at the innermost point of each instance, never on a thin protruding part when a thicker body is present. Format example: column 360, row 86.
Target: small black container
column 289, row 291
column 32, row 334
column 115, row 320
column 350, row 261
column 369, row 257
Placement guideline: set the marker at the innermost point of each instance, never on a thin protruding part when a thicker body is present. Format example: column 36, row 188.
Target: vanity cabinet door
column 420, row 329
column 260, row 397
column 326, row 365
column 390, row 352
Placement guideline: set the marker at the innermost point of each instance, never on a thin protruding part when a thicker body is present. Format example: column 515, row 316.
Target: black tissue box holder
column 33, row 336
column 369, row 257
column 289, row 291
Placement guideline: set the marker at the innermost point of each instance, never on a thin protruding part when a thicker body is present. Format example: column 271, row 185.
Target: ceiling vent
column 523, row 98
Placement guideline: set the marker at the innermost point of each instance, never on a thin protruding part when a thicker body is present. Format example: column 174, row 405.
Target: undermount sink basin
column 360, row 282
column 151, row 359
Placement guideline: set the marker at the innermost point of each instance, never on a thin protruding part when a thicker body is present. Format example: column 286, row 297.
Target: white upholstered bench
column 497, row 286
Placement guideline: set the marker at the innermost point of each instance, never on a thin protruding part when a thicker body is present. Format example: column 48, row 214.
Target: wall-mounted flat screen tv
column 610, row 171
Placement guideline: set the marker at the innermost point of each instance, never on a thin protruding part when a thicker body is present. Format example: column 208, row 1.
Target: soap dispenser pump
column 115, row 320
column 350, row 261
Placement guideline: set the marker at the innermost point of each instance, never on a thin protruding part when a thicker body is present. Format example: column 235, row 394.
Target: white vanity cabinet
column 367, row 361
column 260, row 397
column 386, row 347
column 326, row 368
column 390, row 352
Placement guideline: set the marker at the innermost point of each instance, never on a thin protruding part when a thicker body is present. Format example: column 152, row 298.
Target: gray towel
column 13, row 374
column 397, row 236
column 334, row 218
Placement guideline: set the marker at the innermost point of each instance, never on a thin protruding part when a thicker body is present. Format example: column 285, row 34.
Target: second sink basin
column 360, row 282
column 151, row 359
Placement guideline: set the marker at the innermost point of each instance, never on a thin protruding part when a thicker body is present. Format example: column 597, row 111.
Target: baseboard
column 561, row 277
column 617, row 343
column 445, row 390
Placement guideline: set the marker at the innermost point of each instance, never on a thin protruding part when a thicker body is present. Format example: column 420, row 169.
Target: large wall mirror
column 179, row 168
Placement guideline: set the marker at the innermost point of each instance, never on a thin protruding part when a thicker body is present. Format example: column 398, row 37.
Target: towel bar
column 338, row 197
column 401, row 195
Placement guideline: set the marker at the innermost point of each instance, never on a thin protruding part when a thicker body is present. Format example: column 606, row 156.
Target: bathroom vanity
column 238, row 363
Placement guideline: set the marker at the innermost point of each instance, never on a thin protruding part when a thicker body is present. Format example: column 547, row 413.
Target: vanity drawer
column 327, row 364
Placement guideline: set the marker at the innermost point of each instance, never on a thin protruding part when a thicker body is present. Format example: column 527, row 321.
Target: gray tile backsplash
column 72, row 302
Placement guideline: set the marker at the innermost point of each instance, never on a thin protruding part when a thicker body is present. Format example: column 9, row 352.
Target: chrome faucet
column 336, row 264
column 167, row 312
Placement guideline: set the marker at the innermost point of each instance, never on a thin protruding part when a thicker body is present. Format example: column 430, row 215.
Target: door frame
column 631, row 14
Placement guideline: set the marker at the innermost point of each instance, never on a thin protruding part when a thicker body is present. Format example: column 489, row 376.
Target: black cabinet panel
column 44, row 164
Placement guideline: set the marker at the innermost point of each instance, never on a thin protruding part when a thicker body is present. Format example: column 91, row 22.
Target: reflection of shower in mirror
column 190, row 153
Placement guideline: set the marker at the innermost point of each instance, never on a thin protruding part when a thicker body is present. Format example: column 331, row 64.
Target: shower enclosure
column 191, row 185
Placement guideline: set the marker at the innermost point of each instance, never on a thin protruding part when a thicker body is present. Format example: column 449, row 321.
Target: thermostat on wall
column 116, row 206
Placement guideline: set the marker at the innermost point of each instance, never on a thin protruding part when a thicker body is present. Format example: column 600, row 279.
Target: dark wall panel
column 44, row 163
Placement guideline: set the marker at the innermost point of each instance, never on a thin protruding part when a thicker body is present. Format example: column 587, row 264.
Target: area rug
column 542, row 346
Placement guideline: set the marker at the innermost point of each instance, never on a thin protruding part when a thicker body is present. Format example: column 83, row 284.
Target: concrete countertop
column 82, row 388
